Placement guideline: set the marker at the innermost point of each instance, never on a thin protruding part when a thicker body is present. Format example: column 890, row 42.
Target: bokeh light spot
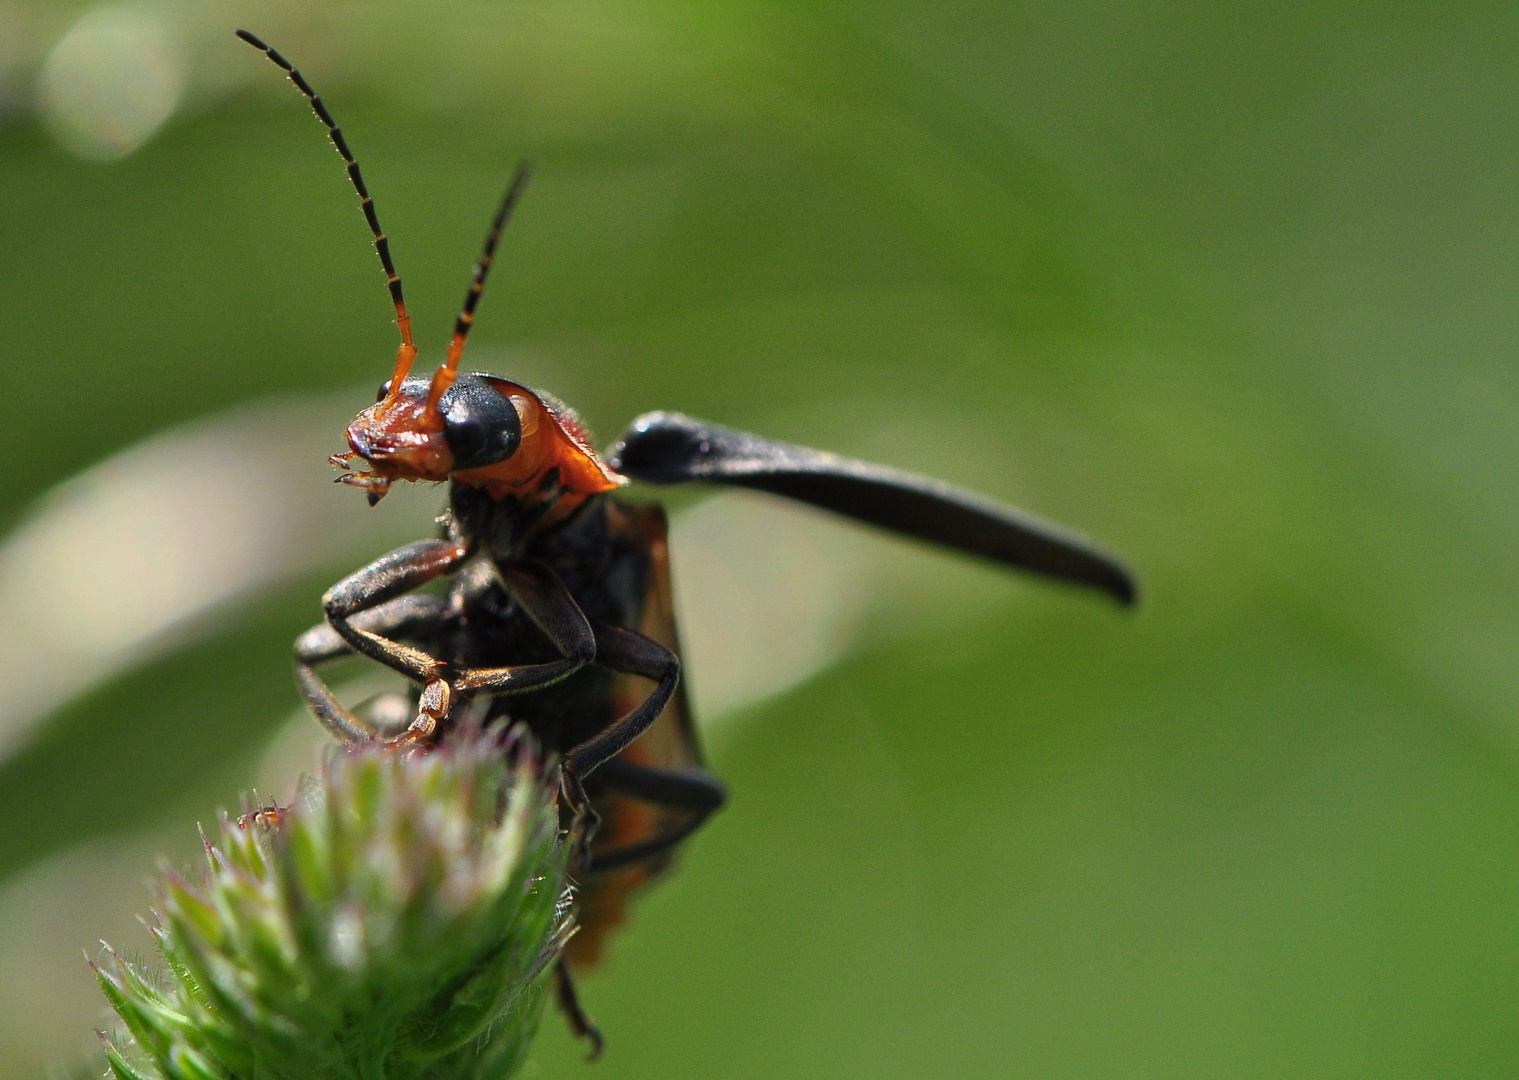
column 111, row 82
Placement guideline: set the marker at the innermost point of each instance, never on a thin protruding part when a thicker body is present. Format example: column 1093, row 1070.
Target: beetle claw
column 583, row 824
column 437, row 700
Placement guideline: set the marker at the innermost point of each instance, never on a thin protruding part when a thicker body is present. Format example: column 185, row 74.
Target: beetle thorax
column 508, row 527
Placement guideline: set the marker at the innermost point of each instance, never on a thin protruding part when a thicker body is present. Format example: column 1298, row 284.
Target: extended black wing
column 668, row 448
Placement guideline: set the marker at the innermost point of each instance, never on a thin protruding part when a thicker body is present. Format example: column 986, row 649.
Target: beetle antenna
column 408, row 351
column 445, row 375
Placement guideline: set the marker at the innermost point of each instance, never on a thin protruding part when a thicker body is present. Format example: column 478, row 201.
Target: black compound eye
column 384, row 389
column 480, row 425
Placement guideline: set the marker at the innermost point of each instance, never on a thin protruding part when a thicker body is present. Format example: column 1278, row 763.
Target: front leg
column 544, row 599
column 394, row 618
column 390, row 576
column 403, row 570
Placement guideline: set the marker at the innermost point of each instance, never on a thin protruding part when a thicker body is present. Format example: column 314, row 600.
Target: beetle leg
column 543, row 599
column 403, row 570
column 322, row 643
column 630, row 652
column 694, row 790
column 569, row 1003
column 390, row 576
column 584, row 820
column 397, row 617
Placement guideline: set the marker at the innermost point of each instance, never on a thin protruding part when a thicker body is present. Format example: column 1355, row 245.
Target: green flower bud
column 399, row 922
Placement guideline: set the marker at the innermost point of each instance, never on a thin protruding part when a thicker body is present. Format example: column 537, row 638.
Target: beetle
column 558, row 612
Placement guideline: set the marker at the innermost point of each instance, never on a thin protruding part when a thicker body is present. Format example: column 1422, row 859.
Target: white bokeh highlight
column 112, row 81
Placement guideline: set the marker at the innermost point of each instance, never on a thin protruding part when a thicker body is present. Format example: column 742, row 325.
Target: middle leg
column 632, row 653
column 536, row 589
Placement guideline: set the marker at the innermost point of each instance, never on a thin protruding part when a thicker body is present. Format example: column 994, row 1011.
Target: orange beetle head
column 480, row 430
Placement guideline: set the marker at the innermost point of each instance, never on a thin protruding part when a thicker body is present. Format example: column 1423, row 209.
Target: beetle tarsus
column 584, row 819
column 569, row 1003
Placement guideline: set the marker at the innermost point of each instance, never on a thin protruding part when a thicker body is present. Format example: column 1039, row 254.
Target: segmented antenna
column 443, row 378
column 408, row 351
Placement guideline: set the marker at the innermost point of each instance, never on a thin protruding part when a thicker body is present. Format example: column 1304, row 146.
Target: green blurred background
column 1230, row 287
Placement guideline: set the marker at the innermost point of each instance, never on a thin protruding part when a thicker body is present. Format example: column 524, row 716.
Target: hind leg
column 695, row 791
column 569, row 1004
